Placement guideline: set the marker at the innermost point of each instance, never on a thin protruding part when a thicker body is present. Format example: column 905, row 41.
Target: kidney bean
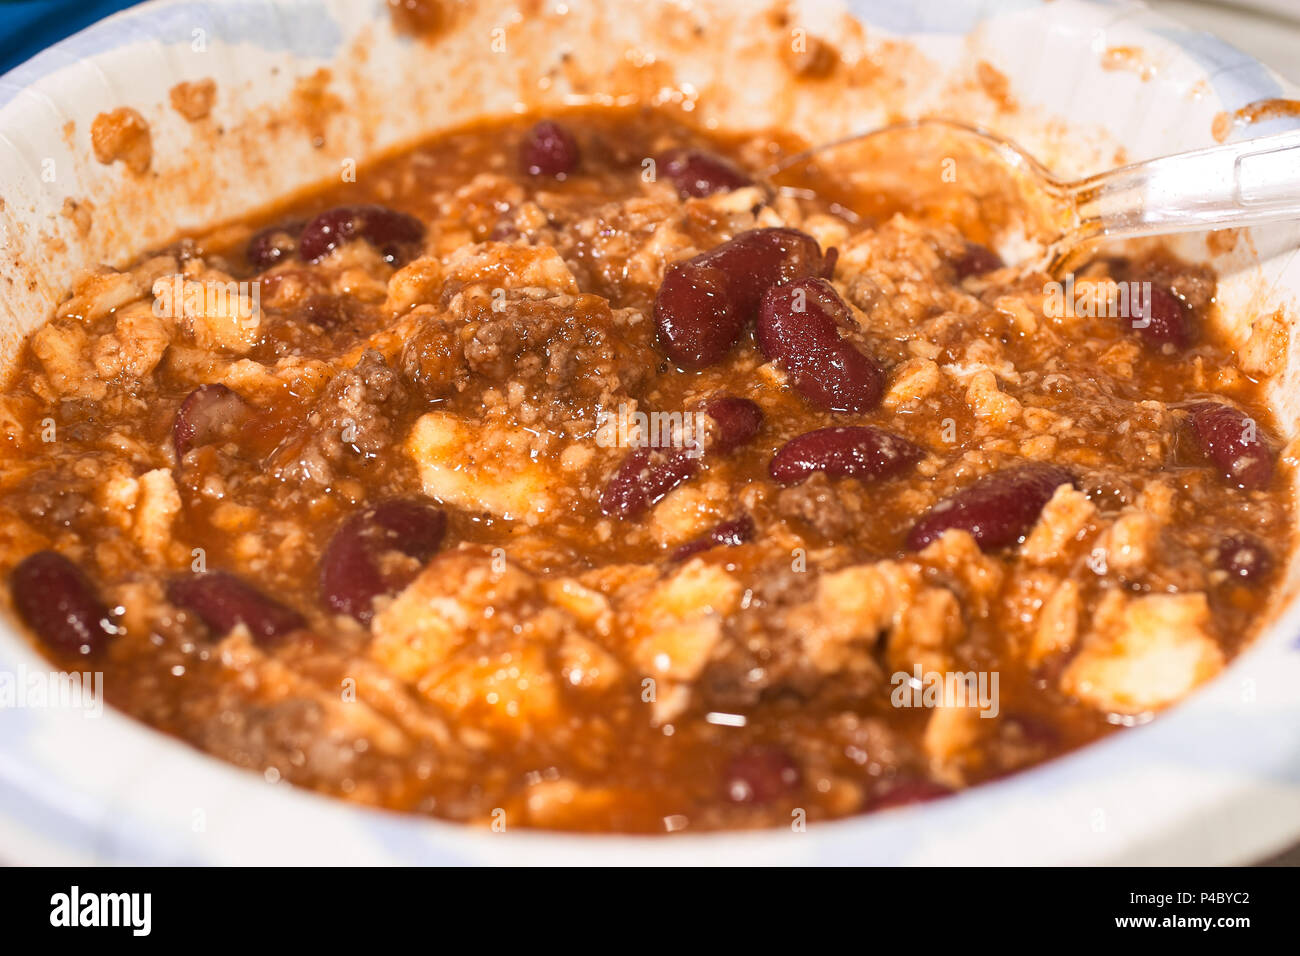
column 273, row 244
column 858, row 451
column 352, row 572
column 998, row 509
column 727, row 534
column 976, row 260
column 697, row 319
column 758, row 259
column 1232, row 441
column 397, row 236
column 705, row 302
column 696, row 173
column 737, row 421
column 326, row 312
column 1162, row 320
column 223, row 601
column 734, row 532
column 57, row 601
column 761, row 774
column 1244, row 557
column 648, row 474
column 504, row 230
column 210, row 413
column 906, row 792
column 798, row 327
column 644, row 478
column 549, row 149
column 412, row 527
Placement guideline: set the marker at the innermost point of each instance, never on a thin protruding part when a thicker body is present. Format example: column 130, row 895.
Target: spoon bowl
column 998, row 193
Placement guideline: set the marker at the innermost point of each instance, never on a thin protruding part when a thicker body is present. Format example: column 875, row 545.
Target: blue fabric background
column 29, row 26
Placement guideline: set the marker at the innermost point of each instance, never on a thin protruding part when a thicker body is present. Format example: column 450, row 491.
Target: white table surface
column 1268, row 30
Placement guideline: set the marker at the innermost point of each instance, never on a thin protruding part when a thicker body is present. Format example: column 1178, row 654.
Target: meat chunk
column 1145, row 653
column 1132, row 542
column 439, row 612
column 850, row 608
column 501, row 312
column 193, row 99
column 819, row 504
column 122, row 134
column 416, row 283
column 949, row 735
column 500, row 265
column 811, row 635
column 676, row 627
column 925, row 632
column 136, row 345
column 1063, row 521
column 1058, row 623
column 688, row 511
column 99, row 294
column 217, row 312
column 617, row 244
column 975, row 576
column 912, row 381
column 63, row 350
column 584, row 663
column 80, row 366
column 157, row 507
column 486, row 467
column 351, row 423
column 481, row 639
column 989, row 402
column 565, row 804
column 572, row 354
column 268, row 714
column 513, row 692
column 679, row 621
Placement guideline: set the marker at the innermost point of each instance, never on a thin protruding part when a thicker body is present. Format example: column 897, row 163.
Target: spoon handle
column 1238, row 184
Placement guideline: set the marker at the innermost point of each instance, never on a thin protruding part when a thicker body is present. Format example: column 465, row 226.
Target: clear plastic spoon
column 1247, row 183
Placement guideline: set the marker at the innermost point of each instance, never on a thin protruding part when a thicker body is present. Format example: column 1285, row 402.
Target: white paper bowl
column 1215, row 780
